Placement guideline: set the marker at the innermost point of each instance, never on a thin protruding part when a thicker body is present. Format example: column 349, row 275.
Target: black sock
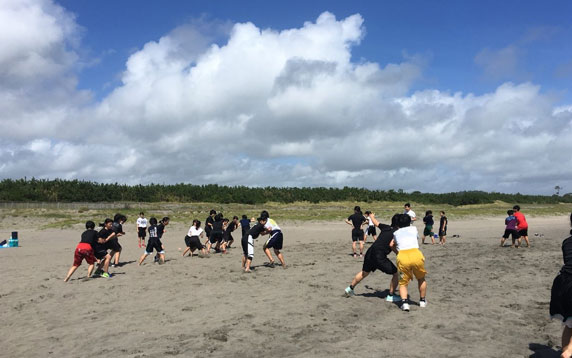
column 352, row 287
column 422, row 299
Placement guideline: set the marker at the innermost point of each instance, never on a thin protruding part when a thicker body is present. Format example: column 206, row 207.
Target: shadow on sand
column 543, row 351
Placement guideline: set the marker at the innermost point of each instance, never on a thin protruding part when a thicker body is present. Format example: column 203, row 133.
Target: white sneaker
column 349, row 292
column 405, row 307
column 422, row 303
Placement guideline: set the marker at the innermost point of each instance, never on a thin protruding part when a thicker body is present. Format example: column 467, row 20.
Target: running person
column 356, row 220
column 561, row 296
column 522, row 226
column 410, row 260
column 370, row 230
column 193, row 239
column 141, row 229
column 428, row 231
column 209, row 225
column 104, row 236
column 118, row 221
column 154, row 242
column 84, row 251
column 248, row 242
column 443, row 228
column 376, row 258
column 217, row 233
column 230, row 227
column 275, row 241
column 510, row 229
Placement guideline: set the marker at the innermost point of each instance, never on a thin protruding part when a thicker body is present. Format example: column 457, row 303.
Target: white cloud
column 268, row 107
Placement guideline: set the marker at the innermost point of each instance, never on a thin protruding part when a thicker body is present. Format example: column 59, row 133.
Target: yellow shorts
column 410, row 263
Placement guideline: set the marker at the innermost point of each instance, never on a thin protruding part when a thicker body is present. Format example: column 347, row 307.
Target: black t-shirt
column 357, row 220
column 443, row 222
column 255, row 230
column 103, row 234
column 231, row 227
column 217, row 226
column 428, row 220
column 567, row 255
column 117, row 228
column 160, row 230
column 381, row 245
column 89, row 237
column 208, row 221
column 153, row 231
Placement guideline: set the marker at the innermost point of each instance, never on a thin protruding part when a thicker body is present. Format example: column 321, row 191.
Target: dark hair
column 428, row 212
column 218, row 217
column 244, row 216
column 407, row 204
column 197, row 223
column 357, row 209
column 153, row 221
column 141, row 213
column 165, row 219
column 443, row 212
column 213, row 212
column 516, row 207
column 395, row 220
column 262, row 219
column 105, row 222
column 89, row 225
column 264, row 214
column 404, row 220
column 510, row 212
column 367, row 212
column 119, row 217
column 225, row 220
column 235, row 217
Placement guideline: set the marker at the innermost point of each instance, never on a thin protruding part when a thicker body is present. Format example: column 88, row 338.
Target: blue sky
column 435, row 96
column 448, row 35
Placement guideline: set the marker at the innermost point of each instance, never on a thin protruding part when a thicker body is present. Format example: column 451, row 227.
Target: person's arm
column 349, row 223
column 393, row 246
column 373, row 219
column 110, row 237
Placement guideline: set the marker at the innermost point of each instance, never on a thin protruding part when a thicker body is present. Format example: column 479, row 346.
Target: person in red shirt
column 522, row 225
column 84, row 250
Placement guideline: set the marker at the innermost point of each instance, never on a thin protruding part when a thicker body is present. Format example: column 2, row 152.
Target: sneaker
column 405, row 307
column 393, row 298
column 271, row 265
column 106, row 275
column 349, row 292
column 113, row 265
column 360, row 256
column 355, row 255
column 422, row 303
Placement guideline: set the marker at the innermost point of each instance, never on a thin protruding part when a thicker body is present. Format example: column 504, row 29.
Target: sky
column 432, row 96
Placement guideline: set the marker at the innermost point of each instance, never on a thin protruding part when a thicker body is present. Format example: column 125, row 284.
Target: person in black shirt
column 84, row 250
column 101, row 247
column 561, row 296
column 209, row 225
column 244, row 224
column 356, row 221
column 248, row 242
column 228, row 229
column 443, row 228
column 428, row 231
column 217, row 233
column 154, row 242
column 376, row 258
column 160, row 231
column 113, row 244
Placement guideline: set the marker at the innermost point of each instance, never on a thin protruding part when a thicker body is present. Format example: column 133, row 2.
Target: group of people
column 401, row 237
column 102, row 247
column 515, row 226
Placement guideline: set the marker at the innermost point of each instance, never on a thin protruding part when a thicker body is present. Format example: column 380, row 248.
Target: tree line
column 58, row 190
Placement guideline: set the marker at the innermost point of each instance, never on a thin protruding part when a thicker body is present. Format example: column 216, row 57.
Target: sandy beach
column 483, row 300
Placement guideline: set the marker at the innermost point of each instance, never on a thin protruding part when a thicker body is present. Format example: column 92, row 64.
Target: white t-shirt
column 406, row 238
column 193, row 231
column 271, row 225
column 141, row 222
column 370, row 221
column 411, row 213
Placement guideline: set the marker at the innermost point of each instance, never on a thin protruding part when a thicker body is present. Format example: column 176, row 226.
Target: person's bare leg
column 187, row 250
column 117, row 254
column 358, row 277
column 361, row 248
column 403, row 292
column 527, row 242
column 90, row 270
column 280, row 257
column 444, row 239
column 269, row 255
column 502, row 240
column 142, row 258
column 354, row 247
column 247, row 266
column 374, row 237
column 422, row 287
column 106, row 263
column 70, row 273
column 423, row 240
column 161, row 258
column 566, row 340
column 393, row 283
column 432, row 239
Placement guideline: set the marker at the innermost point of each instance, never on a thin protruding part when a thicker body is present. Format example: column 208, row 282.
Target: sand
column 483, row 301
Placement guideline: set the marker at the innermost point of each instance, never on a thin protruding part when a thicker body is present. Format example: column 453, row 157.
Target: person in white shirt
column 141, row 229
column 275, row 241
column 409, row 212
column 410, row 260
column 193, row 239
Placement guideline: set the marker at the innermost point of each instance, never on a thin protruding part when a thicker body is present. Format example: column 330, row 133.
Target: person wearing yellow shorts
column 410, row 260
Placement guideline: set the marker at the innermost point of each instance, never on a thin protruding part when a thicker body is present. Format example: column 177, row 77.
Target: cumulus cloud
column 270, row 107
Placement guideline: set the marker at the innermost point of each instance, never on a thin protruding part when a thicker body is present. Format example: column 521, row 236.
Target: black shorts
column 215, row 236
column 357, row 235
column 442, row 232
column 275, row 241
column 193, row 242
column 113, row 245
column 141, row 232
column 100, row 252
column 154, row 243
column 371, row 230
column 523, row 232
column 228, row 237
column 377, row 261
column 512, row 232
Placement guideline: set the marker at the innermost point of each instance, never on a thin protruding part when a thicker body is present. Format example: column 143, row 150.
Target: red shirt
column 522, row 224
